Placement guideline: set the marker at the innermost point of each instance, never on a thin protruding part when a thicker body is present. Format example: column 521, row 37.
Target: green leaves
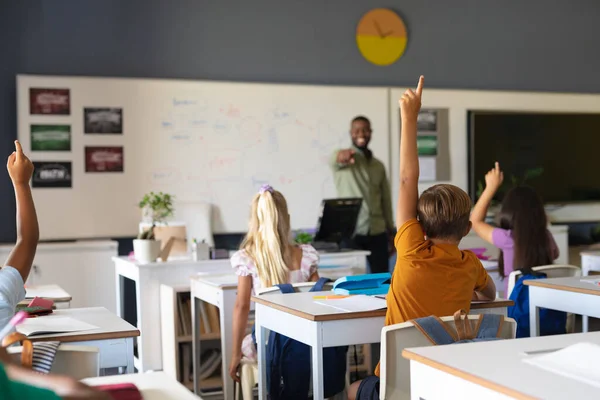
column 159, row 204
column 303, row 238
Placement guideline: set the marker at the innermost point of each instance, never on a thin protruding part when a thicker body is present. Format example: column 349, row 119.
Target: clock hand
column 378, row 29
column 387, row 34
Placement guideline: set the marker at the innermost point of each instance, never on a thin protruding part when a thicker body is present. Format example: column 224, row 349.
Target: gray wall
column 542, row 45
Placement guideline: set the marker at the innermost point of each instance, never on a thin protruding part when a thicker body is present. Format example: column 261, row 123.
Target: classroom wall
column 541, row 45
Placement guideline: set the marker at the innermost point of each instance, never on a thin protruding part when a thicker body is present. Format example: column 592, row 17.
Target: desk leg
column 585, row 271
column 534, row 315
column 317, row 363
column 129, row 345
column 226, row 315
column 261, row 344
column 196, row 343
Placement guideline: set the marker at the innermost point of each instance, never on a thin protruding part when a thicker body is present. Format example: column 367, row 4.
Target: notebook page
column 52, row 324
column 578, row 362
column 356, row 303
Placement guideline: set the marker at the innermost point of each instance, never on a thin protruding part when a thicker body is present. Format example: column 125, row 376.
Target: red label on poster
column 49, row 101
column 104, row 159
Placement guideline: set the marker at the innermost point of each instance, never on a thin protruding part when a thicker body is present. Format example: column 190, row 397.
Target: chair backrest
column 76, row 361
column 551, row 271
column 298, row 287
column 395, row 370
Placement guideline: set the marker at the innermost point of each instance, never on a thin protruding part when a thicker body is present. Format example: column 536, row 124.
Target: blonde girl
column 266, row 257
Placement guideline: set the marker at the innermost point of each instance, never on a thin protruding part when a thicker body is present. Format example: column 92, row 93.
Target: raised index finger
column 420, row 85
column 18, row 148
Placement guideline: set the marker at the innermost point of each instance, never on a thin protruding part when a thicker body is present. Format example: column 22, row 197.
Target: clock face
column 381, row 36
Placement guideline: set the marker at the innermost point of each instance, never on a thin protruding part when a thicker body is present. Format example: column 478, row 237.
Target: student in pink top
column 267, row 257
column 522, row 234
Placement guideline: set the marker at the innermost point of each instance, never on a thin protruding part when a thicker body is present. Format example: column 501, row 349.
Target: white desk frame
column 112, row 338
column 348, row 329
column 148, row 278
column 461, row 372
column 590, row 261
column 211, row 289
column 562, row 294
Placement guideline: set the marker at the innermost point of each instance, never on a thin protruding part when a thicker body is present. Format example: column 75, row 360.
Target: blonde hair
column 267, row 242
column 444, row 211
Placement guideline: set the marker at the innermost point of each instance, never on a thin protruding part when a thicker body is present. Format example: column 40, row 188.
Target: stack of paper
column 52, row 324
column 578, row 362
column 356, row 303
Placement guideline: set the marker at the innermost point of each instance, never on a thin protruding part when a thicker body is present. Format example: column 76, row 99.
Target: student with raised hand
column 267, row 257
column 522, row 234
column 16, row 269
column 432, row 275
column 19, row 383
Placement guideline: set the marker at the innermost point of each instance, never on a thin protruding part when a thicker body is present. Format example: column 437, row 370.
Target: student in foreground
column 522, row 235
column 432, row 276
column 19, row 383
column 16, row 269
column 267, row 257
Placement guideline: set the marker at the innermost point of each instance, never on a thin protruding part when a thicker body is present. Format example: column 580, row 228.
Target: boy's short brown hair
column 444, row 211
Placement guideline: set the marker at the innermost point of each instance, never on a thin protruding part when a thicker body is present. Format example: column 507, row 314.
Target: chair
column 249, row 368
column 395, row 370
column 552, row 271
column 75, row 361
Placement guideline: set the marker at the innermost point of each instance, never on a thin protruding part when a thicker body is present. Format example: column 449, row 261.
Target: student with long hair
column 266, row 257
column 522, row 234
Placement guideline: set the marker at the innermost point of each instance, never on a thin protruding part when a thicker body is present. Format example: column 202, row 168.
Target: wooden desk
column 494, row 370
column 153, row 385
column 57, row 294
column 114, row 336
column 562, row 294
column 297, row 316
column 220, row 290
column 149, row 276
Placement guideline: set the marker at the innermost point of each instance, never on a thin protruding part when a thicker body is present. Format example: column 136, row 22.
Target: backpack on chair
column 488, row 327
column 552, row 322
column 289, row 363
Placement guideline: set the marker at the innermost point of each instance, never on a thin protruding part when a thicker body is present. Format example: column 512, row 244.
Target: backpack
column 552, row 322
column 433, row 328
column 289, row 363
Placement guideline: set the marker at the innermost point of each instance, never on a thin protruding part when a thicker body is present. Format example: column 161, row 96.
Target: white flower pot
column 146, row 251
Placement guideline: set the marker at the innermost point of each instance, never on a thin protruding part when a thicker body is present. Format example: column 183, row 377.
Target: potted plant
column 303, row 237
column 156, row 208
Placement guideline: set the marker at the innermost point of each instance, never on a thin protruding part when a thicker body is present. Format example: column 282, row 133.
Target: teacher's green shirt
column 366, row 178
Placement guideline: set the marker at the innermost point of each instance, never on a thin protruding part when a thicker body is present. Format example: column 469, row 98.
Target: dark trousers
column 378, row 246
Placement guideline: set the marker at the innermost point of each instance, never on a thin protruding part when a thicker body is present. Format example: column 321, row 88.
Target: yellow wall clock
column 381, row 36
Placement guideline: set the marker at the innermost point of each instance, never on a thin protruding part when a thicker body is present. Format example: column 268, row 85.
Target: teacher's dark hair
column 362, row 119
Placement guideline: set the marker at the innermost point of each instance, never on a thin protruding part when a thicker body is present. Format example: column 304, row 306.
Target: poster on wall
column 427, row 121
column 49, row 101
column 52, row 174
column 104, row 159
column 427, row 145
column 50, row 137
column 103, row 120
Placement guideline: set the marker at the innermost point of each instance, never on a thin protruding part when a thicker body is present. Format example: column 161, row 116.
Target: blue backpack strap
column 435, row 330
column 285, row 288
column 489, row 326
column 319, row 285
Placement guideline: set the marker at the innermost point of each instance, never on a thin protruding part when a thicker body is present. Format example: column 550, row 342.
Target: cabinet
column 82, row 268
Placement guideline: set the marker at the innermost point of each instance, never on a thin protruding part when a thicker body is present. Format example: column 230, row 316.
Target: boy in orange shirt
column 432, row 276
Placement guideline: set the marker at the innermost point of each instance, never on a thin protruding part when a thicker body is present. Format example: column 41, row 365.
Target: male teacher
column 357, row 173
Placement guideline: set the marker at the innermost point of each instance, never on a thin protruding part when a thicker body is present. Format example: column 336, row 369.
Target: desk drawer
column 113, row 352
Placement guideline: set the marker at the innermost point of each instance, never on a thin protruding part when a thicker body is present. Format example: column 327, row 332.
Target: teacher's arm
column 341, row 159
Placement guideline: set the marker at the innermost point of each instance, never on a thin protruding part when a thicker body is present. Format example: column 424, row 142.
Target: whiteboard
column 213, row 142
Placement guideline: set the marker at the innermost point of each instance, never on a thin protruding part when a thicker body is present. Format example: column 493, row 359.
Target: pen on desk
column 14, row 321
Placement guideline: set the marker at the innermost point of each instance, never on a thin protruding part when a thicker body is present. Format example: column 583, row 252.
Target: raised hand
column 346, row 156
column 494, row 177
column 20, row 168
column 410, row 103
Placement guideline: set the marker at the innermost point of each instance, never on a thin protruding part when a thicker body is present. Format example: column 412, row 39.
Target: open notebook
column 52, row 324
column 578, row 362
column 356, row 303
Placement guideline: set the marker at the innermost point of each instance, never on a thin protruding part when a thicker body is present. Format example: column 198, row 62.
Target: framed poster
column 427, row 121
column 104, row 159
column 50, row 137
column 52, row 174
column 49, row 101
column 103, row 120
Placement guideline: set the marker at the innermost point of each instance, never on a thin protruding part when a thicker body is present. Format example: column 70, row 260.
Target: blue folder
column 371, row 284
